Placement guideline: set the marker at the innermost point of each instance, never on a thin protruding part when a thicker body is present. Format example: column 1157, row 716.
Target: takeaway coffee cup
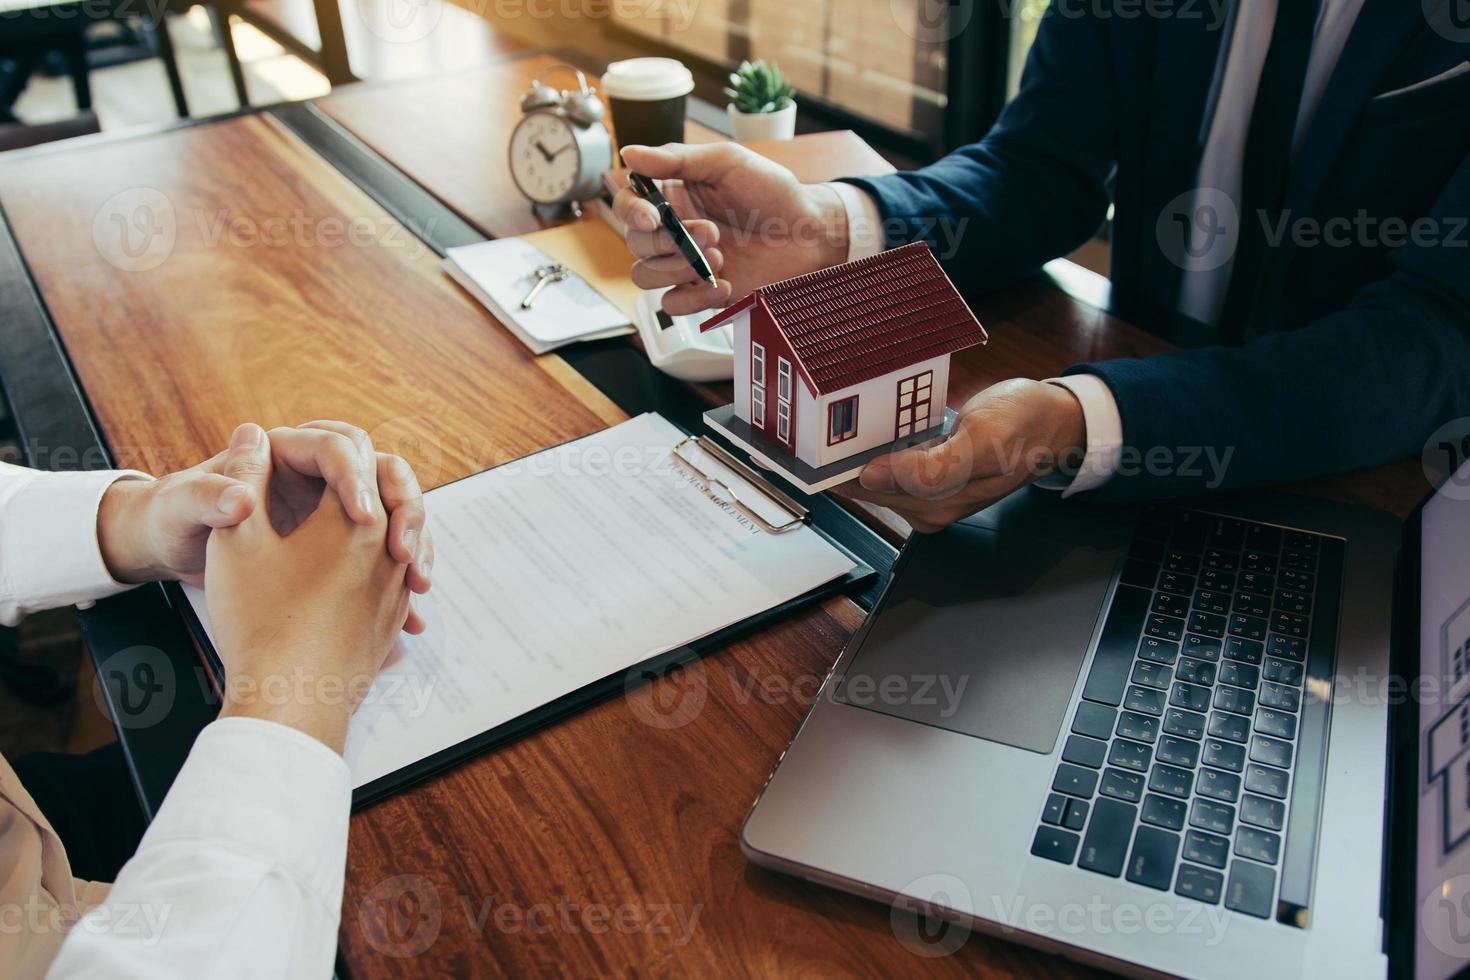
column 647, row 97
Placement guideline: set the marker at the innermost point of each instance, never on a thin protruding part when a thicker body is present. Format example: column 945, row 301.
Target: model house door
column 913, row 404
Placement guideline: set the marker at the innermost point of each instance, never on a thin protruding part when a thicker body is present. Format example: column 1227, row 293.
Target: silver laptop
column 1164, row 740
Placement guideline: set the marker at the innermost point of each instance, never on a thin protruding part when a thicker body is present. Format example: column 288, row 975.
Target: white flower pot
column 750, row 126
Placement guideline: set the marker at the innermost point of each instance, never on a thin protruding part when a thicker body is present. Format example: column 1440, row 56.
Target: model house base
column 805, row 477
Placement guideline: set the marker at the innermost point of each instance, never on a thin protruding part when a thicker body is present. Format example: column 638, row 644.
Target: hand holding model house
column 845, row 371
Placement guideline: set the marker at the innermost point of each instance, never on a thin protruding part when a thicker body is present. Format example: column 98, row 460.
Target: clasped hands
column 309, row 543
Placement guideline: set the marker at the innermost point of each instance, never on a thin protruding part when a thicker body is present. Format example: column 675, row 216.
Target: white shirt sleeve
column 49, row 555
column 864, row 222
column 1104, row 431
column 239, row 875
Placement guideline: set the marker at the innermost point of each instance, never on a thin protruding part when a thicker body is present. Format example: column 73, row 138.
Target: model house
column 842, row 361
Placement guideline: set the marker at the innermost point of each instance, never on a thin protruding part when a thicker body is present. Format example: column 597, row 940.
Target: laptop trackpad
column 985, row 627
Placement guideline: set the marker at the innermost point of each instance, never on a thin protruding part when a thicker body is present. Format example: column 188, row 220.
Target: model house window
column 783, row 399
column 914, row 395
column 757, row 385
column 842, row 420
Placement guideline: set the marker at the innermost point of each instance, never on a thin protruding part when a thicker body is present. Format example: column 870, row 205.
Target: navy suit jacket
column 1365, row 346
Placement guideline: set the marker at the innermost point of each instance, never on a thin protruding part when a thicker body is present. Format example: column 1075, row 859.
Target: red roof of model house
column 861, row 320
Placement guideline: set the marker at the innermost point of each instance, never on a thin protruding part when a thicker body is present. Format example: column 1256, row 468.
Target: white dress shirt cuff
column 51, row 535
column 1104, row 431
column 864, row 222
column 269, row 790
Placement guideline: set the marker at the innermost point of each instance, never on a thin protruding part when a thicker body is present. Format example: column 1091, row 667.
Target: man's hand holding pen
column 778, row 226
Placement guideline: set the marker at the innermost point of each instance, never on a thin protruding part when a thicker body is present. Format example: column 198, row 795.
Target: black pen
column 649, row 191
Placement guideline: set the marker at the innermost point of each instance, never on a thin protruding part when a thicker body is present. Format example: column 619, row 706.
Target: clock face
column 545, row 159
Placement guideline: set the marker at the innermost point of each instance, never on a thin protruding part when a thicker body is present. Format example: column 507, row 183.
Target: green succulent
column 759, row 87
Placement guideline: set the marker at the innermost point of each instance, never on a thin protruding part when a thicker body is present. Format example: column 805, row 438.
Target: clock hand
column 546, row 154
column 560, row 151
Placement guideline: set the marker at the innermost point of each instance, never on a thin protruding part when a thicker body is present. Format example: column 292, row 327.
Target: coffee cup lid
column 647, row 79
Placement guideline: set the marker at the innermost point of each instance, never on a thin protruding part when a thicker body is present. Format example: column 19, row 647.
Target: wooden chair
column 46, row 26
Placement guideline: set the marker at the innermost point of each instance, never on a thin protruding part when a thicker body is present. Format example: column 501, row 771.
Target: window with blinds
column 885, row 60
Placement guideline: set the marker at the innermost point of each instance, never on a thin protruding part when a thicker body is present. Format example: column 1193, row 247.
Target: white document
column 566, row 567
column 501, row 273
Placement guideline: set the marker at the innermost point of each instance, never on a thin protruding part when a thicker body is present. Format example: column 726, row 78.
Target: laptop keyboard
column 1193, row 762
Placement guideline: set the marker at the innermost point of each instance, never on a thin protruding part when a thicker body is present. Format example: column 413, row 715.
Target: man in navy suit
column 1291, row 185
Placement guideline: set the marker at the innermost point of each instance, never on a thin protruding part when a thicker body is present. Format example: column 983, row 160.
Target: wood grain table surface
column 260, row 284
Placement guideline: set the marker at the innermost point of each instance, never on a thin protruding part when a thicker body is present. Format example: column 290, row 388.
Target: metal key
column 545, row 274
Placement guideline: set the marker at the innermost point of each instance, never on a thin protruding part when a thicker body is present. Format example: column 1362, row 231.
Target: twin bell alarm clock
column 561, row 147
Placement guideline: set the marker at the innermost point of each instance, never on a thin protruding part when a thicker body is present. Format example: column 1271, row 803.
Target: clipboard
column 720, row 493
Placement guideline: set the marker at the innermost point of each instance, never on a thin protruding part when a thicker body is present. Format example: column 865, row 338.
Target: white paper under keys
column 566, row 567
column 502, row 273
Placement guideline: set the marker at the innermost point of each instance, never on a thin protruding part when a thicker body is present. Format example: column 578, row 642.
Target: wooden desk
column 606, row 811
column 496, row 866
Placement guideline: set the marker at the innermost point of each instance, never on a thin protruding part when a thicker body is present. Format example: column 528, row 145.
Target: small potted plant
column 762, row 103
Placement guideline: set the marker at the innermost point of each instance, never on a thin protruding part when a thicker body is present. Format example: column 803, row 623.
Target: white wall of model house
column 877, row 403
column 877, row 411
column 810, row 438
column 740, row 325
